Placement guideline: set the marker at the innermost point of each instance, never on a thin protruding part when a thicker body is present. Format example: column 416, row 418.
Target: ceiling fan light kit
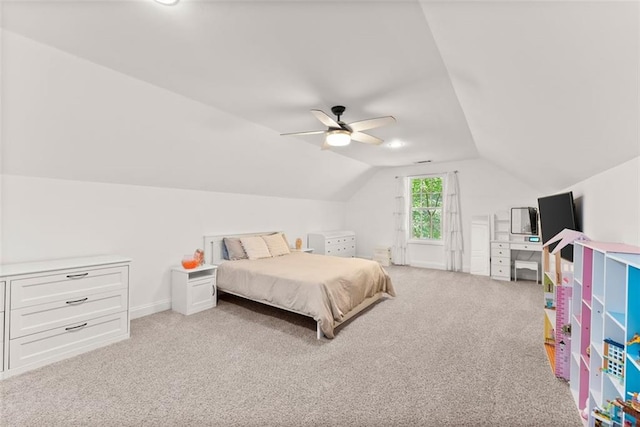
column 338, row 138
column 340, row 134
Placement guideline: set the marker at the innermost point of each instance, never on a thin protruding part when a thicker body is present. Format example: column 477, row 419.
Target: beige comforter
column 323, row 287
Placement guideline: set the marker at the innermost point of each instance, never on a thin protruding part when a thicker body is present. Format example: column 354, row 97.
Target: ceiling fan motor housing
column 338, row 110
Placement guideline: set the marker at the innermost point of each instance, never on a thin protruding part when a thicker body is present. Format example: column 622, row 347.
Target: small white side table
column 193, row 290
column 307, row 250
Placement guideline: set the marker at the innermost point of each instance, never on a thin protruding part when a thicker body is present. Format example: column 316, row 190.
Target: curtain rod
column 426, row 174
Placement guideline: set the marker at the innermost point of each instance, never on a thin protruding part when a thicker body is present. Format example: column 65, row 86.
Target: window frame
column 419, row 240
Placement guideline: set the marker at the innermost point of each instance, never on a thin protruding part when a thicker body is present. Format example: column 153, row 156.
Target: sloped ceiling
column 531, row 86
column 549, row 89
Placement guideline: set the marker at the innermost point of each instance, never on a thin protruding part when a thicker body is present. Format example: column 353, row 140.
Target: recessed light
column 167, row 2
column 395, row 144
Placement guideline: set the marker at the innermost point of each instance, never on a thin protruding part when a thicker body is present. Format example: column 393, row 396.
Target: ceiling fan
column 340, row 133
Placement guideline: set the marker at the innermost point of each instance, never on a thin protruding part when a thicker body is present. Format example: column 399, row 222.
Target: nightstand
column 193, row 290
column 307, row 250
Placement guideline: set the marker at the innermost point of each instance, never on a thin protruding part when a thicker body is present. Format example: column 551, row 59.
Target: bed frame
column 213, row 255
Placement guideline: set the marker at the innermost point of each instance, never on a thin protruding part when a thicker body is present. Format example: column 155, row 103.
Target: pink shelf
column 611, row 247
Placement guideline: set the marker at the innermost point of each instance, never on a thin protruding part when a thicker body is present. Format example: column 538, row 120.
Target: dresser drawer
column 42, row 317
column 499, row 252
column 501, row 271
column 341, row 250
column 65, row 286
column 501, row 261
column 526, row 247
column 335, row 249
column 55, row 343
column 500, row 245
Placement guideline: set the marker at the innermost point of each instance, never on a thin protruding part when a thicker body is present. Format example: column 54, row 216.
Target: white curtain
column 452, row 229
column 399, row 250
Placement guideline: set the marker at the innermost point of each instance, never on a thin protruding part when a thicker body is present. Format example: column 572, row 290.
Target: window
column 426, row 207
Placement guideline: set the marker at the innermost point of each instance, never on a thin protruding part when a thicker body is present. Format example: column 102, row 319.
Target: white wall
column 68, row 118
column 484, row 189
column 609, row 204
column 44, row 218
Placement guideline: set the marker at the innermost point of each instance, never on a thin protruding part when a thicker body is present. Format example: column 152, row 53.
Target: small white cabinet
column 335, row 243
column 193, row 290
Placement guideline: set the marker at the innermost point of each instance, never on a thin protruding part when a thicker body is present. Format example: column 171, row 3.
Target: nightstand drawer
column 68, row 285
column 30, row 320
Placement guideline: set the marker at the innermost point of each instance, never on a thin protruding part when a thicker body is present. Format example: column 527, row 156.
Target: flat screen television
column 557, row 212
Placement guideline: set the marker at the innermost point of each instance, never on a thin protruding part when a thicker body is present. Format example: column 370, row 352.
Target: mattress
column 325, row 288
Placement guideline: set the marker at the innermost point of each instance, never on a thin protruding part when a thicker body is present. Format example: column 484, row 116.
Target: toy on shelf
column 635, row 340
column 603, row 414
column 613, row 359
column 630, row 407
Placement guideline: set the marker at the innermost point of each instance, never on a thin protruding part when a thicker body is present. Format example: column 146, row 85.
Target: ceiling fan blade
column 312, row 132
column 372, row 123
column 325, row 119
column 366, row 138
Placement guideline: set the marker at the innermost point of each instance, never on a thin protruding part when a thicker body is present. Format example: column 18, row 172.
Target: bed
column 329, row 289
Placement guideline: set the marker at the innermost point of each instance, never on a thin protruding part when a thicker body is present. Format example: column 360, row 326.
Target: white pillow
column 277, row 244
column 255, row 247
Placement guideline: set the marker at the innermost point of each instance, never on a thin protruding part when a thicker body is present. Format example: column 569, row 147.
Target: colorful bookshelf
column 604, row 376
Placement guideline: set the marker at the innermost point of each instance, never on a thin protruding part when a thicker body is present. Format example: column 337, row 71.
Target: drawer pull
column 71, row 328
column 76, row 276
column 78, row 300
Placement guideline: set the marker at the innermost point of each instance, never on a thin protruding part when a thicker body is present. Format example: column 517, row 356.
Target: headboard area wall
column 213, row 245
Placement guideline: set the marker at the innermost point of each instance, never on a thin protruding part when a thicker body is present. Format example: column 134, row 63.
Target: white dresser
column 336, row 243
column 61, row 308
column 505, row 253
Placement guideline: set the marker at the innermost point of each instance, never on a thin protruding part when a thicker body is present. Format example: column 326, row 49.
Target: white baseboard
column 147, row 309
column 422, row 264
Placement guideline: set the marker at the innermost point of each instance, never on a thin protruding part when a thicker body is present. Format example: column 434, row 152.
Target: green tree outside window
column 426, row 208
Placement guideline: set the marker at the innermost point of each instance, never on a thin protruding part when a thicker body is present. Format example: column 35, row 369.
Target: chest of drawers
column 57, row 309
column 335, row 243
column 500, row 261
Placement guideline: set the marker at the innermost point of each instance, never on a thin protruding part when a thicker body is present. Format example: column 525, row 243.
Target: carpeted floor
column 450, row 350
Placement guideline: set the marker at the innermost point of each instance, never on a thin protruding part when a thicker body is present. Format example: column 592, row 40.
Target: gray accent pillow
column 235, row 251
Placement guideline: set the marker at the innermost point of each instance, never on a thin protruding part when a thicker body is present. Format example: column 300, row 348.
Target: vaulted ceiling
column 546, row 90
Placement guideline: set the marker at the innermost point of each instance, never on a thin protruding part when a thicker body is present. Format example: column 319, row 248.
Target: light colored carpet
column 450, row 350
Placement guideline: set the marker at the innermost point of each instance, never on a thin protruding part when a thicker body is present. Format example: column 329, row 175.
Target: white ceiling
column 547, row 90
